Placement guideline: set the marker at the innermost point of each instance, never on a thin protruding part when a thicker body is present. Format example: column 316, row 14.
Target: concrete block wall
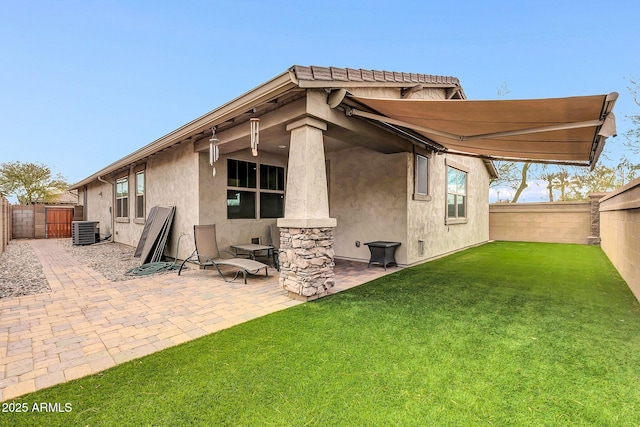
column 558, row 222
column 620, row 232
column 23, row 226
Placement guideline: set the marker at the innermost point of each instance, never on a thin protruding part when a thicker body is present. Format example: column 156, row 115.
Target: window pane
column 421, row 174
column 139, row 206
column 452, row 180
column 271, row 205
column 241, row 204
column 280, row 179
column 121, row 188
column 243, row 174
column 451, row 205
column 232, row 173
column 462, row 182
column 462, row 206
column 125, row 207
column 252, row 171
column 140, row 183
column 271, row 177
column 264, row 176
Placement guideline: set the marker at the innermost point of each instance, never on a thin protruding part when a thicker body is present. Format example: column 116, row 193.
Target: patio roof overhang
column 568, row 131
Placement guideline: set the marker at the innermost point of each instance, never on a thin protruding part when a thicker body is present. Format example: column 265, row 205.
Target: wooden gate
column 59, row 222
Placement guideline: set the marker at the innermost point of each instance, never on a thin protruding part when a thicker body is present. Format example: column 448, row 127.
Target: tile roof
column 359, row 75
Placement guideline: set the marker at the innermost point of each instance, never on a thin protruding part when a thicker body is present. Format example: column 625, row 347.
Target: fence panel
column 557, row 222
column 23, row 218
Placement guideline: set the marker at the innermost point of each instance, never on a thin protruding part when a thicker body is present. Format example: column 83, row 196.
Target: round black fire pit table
column 382, row 253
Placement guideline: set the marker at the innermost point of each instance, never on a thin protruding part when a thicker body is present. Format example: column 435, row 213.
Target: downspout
column 84, row 202
column 113, row 221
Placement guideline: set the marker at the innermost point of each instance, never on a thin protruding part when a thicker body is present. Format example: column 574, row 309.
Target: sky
column 85, row 83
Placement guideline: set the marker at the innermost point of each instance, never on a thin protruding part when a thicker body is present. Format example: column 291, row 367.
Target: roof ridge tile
column 319, row 73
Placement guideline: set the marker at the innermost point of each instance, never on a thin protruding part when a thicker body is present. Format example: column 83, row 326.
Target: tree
column 560, row 178
column 601, row 179
column 513, row 174
column 30, row 182
column 633, row 134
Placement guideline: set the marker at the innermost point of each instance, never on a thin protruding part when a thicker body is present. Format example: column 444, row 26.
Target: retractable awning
column 555, row 130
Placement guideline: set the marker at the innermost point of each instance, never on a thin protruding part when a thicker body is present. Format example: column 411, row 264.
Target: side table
column 382, row 253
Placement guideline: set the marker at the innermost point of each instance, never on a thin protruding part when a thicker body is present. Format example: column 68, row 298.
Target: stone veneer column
column 594, row 238
column 306, row 261
column 306, row 231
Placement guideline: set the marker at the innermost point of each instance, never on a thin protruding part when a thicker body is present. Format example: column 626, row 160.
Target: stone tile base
column 306, row 261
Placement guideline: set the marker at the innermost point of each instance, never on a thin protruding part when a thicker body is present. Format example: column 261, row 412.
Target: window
column 140, row 195
column 272, row 191
column 241, row 174
column 241, row 204
column 271, row 205
column 122, row 198
column 456, row 194
column 421, row 188
column 271, row 177
column 252, row 189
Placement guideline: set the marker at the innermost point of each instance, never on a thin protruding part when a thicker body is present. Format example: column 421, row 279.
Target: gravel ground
column 113, row 260
column 19, row 275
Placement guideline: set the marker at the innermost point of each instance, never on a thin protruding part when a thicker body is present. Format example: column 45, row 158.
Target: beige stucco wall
column 171, row 179
column 367, row 197
column 558, row 222
column 97, row 205
column 426, row 218
column 371, row 196
column 620, row 232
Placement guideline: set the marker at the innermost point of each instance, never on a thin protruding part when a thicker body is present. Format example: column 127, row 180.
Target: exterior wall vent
column 85, row 232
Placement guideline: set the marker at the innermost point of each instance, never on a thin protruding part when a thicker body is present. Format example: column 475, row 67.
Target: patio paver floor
column 87, row 324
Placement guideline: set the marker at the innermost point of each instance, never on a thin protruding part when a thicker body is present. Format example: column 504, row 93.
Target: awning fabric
column 558, row 130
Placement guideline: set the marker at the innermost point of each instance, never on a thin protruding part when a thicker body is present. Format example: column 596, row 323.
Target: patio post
column 306, row 231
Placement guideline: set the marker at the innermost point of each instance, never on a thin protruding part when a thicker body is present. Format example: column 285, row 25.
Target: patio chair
column 274, row 242
column 207, row 254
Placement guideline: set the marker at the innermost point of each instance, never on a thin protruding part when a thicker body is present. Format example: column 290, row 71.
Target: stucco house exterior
column 328, row 178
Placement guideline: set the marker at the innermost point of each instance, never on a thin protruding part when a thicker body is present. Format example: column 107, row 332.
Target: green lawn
column 502, row 334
